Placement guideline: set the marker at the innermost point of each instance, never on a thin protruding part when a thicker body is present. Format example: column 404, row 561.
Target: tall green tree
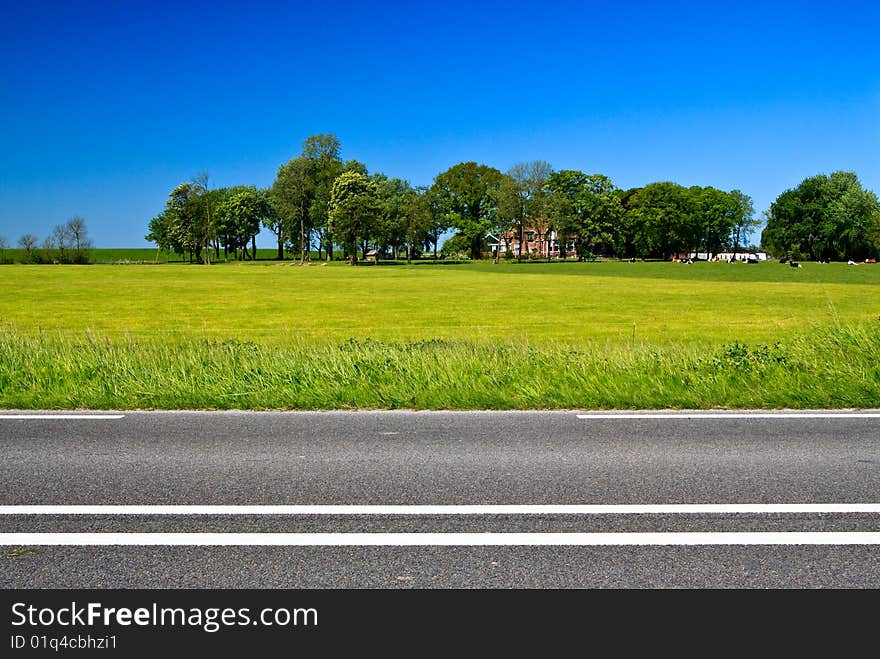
column 529, row 180
column 467, row 195
column 586, row 209
column 744, row 220
column 203, row 215
column 664, row 219
column 323, row 152
column 293, row 193
column 185, row 230
column 186, row 225
column 825, row 217
column 417, row 219
column 510, row 216
column 393, row 194
column 441, row 217
column 716, row 214
column 873, row 234
column 354, row 210
column 161, row 231
column 239, row 217
column 301, row 196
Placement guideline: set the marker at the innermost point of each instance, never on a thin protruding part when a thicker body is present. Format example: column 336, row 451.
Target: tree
column 323, row 152
column 441, row 217
column 873, row 233
column 203, row 222
column 509, row 216
column 301, row 196
column 62, row 240
column 529, row 180
column 456, row 247
column 466, row 194
column 585, row 208
column 663, row 219
column 48, row 249
column 716, row 215
column 417, row 219
column 4, row 245
column 188, row 222
column 184, row 227
column 162, row 232
column 239, row 217
column 78, row 235
column 825, row 217
column 293, row 193
column 354, row 209
column 28, row 242
column 393, row 194
column 744, row 220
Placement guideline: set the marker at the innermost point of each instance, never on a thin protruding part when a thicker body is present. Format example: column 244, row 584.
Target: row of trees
column 320, row 203
column 588, row 211
column 201, row 222
column 68, row 243
column 300, row 210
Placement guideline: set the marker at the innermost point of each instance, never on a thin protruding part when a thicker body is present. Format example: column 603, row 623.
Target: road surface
column 439, row 500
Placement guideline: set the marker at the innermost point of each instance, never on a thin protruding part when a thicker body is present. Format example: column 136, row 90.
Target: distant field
column 125, row 255
column 277, row 335
column 575, row 303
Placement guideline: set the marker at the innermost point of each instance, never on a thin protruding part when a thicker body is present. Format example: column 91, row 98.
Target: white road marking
column 62, row 417
column 735, row 415
column 476, row 509
column 436, row 539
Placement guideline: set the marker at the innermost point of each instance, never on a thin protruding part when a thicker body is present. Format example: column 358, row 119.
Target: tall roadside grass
column 830, row 368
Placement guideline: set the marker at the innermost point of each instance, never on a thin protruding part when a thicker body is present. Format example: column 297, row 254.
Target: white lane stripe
column 478, row 509
column 736, row 415
column 436, row 539
column 62, row 417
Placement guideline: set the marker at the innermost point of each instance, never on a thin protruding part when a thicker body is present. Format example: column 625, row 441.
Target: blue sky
column 104, row 107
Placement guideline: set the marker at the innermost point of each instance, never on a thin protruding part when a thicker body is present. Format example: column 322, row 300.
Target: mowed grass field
column 571, row 335
column 574, row 303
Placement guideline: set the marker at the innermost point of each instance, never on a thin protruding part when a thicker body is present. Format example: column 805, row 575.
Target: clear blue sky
column 104, row 107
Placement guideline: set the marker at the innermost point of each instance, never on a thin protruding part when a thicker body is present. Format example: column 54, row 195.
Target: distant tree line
column 321, row 205
column 68, row 243
column 317, row 204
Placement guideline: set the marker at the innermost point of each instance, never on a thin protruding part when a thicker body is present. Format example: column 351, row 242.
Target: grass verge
column 834, row 367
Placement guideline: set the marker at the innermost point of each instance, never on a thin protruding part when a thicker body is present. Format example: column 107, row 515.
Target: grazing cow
column 794, row 264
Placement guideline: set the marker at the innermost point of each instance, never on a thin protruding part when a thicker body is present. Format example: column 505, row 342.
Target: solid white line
column 477, row 509
column 63, row 417
column 436, row 539
column 736, row 415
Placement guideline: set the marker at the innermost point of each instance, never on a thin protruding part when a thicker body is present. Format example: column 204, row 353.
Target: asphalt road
column 447, row 459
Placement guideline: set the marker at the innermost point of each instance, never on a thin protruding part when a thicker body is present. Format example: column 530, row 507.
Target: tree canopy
column 825, row 217
column 467, row 195
column 354, row 210
column 532, row 211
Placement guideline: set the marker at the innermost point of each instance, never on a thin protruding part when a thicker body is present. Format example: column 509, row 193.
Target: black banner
column 124, row 622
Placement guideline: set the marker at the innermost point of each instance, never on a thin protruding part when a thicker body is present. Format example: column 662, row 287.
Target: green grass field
column 575, row 303
column 277, row 335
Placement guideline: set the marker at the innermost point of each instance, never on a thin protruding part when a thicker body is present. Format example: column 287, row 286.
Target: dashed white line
column 437, row 539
